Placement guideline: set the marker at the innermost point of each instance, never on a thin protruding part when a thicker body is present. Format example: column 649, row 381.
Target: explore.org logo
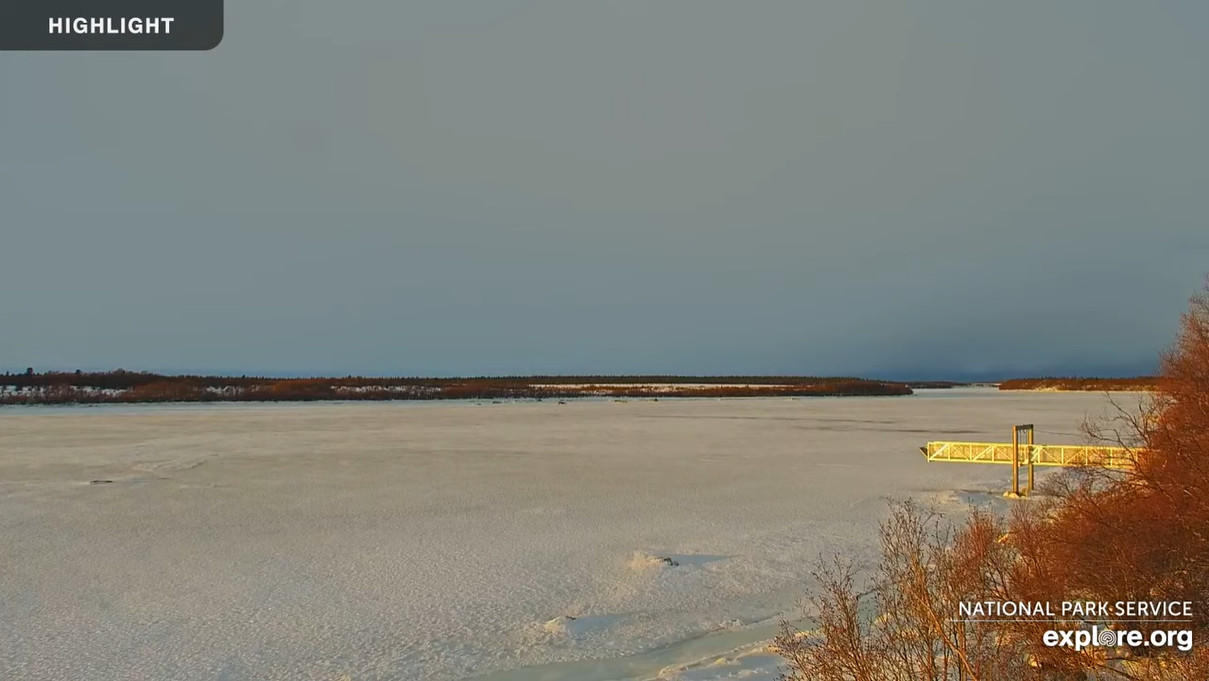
column 1180, row 639
column 1168, row 624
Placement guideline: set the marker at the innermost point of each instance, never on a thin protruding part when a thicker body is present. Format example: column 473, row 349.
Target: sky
column 934, row 189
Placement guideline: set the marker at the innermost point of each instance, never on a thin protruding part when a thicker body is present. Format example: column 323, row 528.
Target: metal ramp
column 1038, row 455
column 1029, row 454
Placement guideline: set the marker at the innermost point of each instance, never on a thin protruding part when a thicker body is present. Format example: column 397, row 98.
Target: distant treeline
column 129, row 386
column 1076, row 383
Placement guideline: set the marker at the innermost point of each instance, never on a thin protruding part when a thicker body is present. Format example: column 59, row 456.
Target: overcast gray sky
column 889, row 188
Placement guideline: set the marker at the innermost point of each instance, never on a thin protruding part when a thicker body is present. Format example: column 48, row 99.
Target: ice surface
column 448, row 541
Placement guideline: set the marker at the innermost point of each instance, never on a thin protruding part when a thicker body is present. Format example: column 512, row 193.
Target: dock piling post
column 1029, row 489
column 1016, row 461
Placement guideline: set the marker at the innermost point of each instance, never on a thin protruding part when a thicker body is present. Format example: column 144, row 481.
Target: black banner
column 110, row 24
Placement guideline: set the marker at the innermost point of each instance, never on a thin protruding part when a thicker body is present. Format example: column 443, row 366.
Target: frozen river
column 444, row 541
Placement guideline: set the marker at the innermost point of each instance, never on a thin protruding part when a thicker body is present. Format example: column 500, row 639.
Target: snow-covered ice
column 405, row 541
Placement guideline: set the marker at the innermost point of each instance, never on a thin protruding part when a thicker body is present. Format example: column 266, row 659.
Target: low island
column 143, row 387
column 1074, row 383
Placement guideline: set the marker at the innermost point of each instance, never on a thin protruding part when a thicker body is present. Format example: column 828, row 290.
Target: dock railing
column 1037, row 454
column 1029, row 454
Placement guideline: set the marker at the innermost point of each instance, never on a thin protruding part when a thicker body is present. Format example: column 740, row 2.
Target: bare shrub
column 907, row 627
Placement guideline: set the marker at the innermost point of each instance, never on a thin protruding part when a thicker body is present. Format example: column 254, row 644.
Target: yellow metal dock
column 1038, row 455
column 1029, row 454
